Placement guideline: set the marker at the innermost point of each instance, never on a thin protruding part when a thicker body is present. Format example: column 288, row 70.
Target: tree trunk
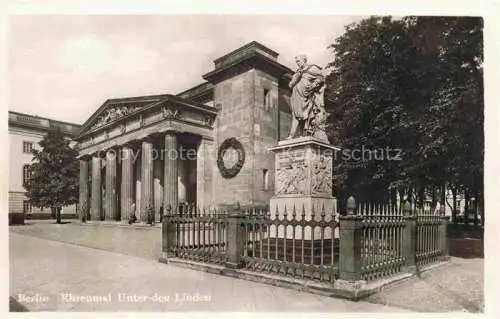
column 53, row 212
column 421, row 196
column 476, row 208
column 442, row 207
column 433, row 200
column 454, row 210
column 410, row 198
column 466, row 208
column 402, row 194
column 481, row 209
column 394, row 198
column 58, row 215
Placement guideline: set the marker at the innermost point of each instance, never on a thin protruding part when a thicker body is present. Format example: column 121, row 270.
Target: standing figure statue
column 307, row 86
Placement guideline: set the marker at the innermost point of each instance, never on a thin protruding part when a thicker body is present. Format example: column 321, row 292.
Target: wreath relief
column 230, row 172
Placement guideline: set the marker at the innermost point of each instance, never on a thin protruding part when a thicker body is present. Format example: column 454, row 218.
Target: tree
column 416, row 85
column 54, row 174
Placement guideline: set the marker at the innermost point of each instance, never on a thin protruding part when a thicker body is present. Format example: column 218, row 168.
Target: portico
column 141, row 153
column 143, row 157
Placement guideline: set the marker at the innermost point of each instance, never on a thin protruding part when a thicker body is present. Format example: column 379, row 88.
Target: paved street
column 457, row 286
column 52, row 275
column 102, row 260
column 142, row 242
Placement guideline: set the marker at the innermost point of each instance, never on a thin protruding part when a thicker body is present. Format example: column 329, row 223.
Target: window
column 267, row 99
column 27, row 207
column 27, row 147
column 26, row 174
column 265, row 179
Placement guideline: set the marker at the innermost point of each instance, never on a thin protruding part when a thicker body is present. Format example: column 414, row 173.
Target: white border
column 487, row 9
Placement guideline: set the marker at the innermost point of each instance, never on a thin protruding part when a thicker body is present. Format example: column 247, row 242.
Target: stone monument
column 304, row 163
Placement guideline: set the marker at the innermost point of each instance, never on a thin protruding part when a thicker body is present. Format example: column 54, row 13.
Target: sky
column 64, row 67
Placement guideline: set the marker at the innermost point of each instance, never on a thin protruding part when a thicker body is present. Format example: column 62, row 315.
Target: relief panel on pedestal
column 291, row 172
column 321, row 174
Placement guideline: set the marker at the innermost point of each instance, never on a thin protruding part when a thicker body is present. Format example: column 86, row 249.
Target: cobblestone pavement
column 47, row 275
column 457, row 286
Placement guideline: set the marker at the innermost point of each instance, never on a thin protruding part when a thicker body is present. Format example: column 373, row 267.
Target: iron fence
column 382, row 237
column 292, row 244
column 428, row 238
column 200, row 235
column 370, row 242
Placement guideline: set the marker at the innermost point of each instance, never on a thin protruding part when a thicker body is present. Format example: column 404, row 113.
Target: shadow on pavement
column 15, row 306
column 466, row 241
column 464, row 302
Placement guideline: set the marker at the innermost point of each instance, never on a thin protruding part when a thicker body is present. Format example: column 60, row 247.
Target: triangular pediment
column 114, row 110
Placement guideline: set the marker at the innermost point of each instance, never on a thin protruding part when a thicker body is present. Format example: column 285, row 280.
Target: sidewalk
column 47, row 275
column 455, row 287
column 142, row 242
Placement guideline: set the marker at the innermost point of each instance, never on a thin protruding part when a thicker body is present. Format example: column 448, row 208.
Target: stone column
column 204, row 168
column 96, row 205
column 182, row 164
column 110, row 200
column 83, row 202
column 137, row 183
column 147, row 190
column 127, row 187
column 170, row 178
column 158, row 188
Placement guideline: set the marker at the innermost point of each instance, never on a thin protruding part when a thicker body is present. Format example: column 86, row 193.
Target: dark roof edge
column 195, row 88
column 242, row 48
column 44, row 118
column 255, row 55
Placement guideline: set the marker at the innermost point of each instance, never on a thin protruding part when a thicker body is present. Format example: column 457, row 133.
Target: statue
column 306, row 102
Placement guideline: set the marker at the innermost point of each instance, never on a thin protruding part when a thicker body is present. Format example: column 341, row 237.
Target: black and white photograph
column 260, row 163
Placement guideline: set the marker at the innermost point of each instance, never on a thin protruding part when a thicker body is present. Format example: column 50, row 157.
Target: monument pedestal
column 303, row 182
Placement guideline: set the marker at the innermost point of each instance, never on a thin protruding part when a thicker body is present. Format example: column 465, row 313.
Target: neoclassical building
column 25, row 132
column 208, row 145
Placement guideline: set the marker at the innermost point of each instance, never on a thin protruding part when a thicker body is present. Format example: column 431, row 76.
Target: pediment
column 112, row 111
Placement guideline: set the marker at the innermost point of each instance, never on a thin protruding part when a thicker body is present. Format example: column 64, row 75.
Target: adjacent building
column 207, row 145
column 25, row 131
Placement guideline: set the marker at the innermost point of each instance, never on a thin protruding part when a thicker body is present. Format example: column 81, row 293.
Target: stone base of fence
column 352, row 290
column 312, row 249
column 45, row 216
column 109, row 223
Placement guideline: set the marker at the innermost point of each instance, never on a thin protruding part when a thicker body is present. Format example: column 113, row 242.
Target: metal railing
column 382, row 233
column 200, row 235
column 369, row 242
column 428, row 237
column 292, row 243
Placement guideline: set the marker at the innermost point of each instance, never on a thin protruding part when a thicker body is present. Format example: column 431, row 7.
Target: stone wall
column 250, row 104
column 265, row 134
column 235, row 119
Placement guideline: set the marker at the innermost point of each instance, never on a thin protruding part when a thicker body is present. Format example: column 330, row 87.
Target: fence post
column 409, row 238
column 444, row 241
column 235, row 237
column 168, row 235
column 350, row 230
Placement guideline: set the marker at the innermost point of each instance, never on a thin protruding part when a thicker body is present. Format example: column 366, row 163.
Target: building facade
column 25, row 131
column 208, row 145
